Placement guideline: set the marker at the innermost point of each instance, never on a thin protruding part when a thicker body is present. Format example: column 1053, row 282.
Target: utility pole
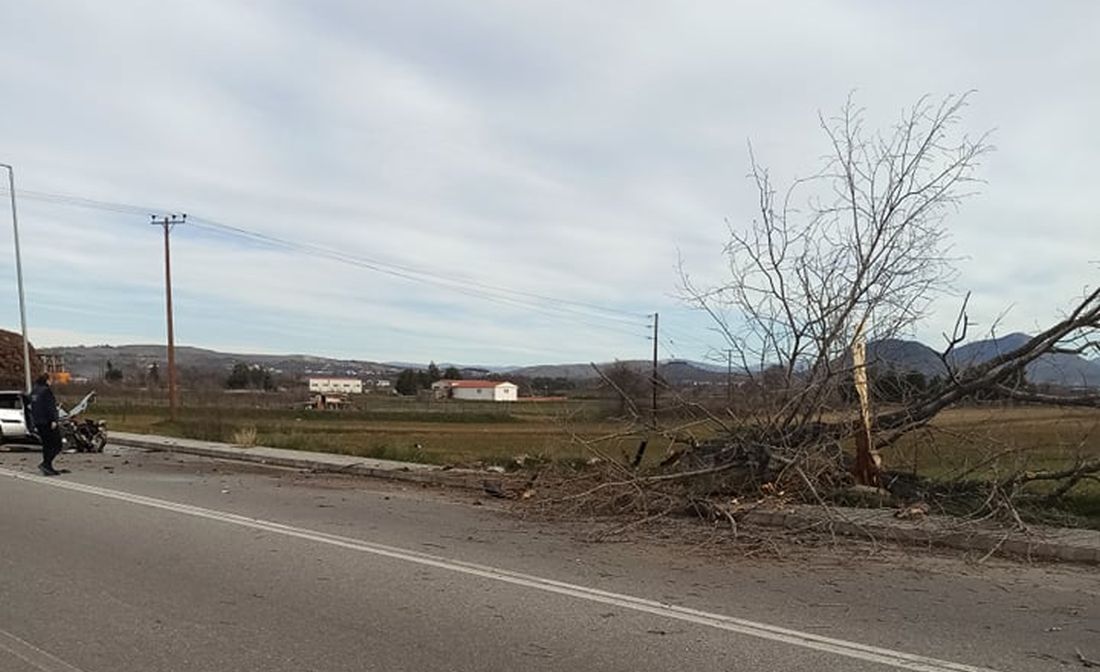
column 656, row 316
column 729, row 376
column 168, row 222
column 19, row 278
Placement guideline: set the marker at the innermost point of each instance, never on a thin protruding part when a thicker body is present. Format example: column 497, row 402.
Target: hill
column 897, row 354
column 902, row 355
column 1053, row 369
column 91, row 361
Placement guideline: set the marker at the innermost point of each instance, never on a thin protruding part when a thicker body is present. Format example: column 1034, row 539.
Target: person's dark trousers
column 51, row 444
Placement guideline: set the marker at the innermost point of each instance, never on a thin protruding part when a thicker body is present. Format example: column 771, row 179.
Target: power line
column 128, row 208
column 81, row 202
column 670, row 348
column 385, row 266
column 498, row 295
column 516, row 298
column 680, row 338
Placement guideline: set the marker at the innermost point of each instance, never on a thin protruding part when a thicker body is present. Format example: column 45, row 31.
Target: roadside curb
column 1039, row 542
column 320, row 462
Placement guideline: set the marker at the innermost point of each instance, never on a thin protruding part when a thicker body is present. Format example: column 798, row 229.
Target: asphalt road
column 147, row 562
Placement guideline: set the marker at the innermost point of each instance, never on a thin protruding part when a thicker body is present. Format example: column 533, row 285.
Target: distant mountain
column 977, row 352
column 901, row 355
column 570, row 371
column 91, row 361
column 897, row 354
column 464, row 368
column 679, row 372
column 1053, row 369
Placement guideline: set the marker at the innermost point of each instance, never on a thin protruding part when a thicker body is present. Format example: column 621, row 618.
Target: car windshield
column 10, row 401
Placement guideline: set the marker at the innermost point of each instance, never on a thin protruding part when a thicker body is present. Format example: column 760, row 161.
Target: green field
column 1023, row 437
column 995, row 443
column 453, row 433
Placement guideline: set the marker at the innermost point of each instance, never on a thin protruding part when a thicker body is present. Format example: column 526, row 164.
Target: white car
column 13, row 417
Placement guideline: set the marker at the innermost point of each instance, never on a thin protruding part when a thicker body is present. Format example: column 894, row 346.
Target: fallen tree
column 862, row 258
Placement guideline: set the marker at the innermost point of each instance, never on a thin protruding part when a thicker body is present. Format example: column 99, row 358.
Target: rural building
column 336, row 385
column 475, row 390
column 324, row 402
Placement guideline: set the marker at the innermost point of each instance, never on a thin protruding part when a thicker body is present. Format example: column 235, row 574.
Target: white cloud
column 564, row 149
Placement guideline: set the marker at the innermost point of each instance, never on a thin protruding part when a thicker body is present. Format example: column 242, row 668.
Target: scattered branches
column 857, row 250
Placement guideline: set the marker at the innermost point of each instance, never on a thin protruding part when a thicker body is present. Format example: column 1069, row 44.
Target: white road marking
column 841, row 647
column 32, row 655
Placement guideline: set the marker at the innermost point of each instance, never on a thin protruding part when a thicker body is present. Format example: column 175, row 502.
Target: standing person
column 44, row 414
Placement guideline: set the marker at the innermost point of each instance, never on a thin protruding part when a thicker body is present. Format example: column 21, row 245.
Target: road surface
column 146, row 562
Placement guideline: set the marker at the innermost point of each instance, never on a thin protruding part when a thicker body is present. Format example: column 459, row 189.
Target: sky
column 500, row 183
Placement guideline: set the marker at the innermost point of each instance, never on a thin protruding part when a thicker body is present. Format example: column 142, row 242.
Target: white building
column 336, row 385
column 475, row 390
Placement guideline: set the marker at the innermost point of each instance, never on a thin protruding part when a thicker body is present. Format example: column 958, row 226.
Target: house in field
column 336, row 385
column 475, row 390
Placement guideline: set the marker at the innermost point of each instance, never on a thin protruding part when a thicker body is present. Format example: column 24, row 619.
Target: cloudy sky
column 499, row 182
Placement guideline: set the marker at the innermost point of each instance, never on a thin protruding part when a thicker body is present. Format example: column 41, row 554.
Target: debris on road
column 494, row 489
column 913, row 511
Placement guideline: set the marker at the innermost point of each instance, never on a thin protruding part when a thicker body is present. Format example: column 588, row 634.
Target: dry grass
column 245, row 436
column 995, row 443
column 435, row 442
column 979, row 442
column 961, row 440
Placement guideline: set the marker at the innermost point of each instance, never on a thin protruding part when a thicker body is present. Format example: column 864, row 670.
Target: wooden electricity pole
column 729, row 377
column 640, row 453
column 655, row 318
column 168, row 222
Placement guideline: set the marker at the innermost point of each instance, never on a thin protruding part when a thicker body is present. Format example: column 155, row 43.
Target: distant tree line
column 410, row 381
column 901, row 387
column 548, row 385
column 890, row 385
column 249, row 377
column 112, row 374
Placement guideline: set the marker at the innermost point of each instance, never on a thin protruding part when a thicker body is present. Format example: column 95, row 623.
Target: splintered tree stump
column 867, row 463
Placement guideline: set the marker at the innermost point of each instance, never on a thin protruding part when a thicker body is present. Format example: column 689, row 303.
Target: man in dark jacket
column 44, row 414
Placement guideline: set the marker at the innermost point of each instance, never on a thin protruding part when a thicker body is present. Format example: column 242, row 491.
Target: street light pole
column 19, row 277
